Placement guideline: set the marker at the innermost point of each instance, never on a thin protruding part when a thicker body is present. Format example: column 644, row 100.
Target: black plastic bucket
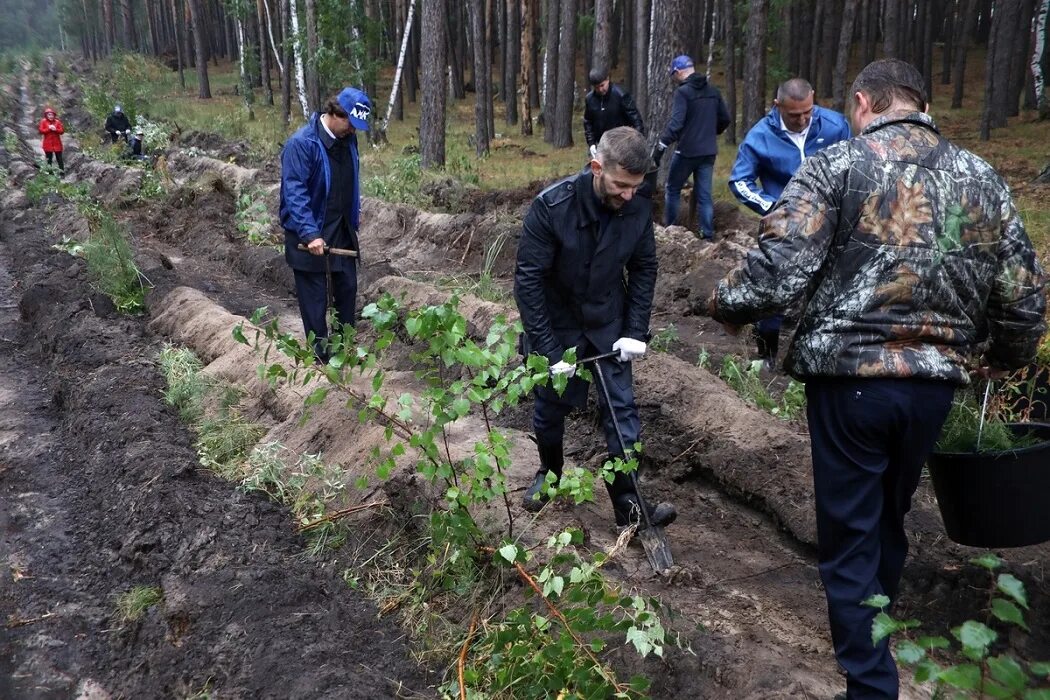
column 996, row 499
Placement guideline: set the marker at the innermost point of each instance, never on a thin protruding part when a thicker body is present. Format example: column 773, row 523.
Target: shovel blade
column 657, row 549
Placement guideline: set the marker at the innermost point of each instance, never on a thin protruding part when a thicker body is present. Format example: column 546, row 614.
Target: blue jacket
column 767, row 154
column 305, row 179
column 698, row 115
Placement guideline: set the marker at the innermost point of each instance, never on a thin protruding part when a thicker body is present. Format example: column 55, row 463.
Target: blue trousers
column 701, row 168
column 870, row 439
column 312, row 290
column 550, row 410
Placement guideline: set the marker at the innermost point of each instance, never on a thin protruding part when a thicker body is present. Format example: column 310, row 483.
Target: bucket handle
column 984, row 411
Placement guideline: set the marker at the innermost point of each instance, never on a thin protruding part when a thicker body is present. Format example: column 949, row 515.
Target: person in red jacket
column 51, row 131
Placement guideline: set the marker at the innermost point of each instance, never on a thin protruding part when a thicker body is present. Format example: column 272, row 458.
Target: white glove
column 630, row 349
column 594, row 151
column 563, row 367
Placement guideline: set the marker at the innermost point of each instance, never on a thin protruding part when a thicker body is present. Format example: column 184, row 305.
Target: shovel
column 657, row 548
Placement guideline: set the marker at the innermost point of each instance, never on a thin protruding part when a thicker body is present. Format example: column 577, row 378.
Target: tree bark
column 566, row 76
column 481, row 126
column 640, row 62
column 1004, row 24
column 297, row 50
column 528, row 51
column 204, row 92
column 288, row 63
column 513, row 61
column 313, row 80
column 454, row 58
column 962, row 44
column 729, row 11
column 950, row 29
column 433, row 94
column 849, row 11
column 1019, row 54
column 550, row 67
column 891, row 29
column 830, row 41
column 1039, row 38
column 602, row 33
column 755, row 63
column 180, row 62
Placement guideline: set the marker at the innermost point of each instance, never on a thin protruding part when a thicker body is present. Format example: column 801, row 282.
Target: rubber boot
column 627, row 504
column 551, row 460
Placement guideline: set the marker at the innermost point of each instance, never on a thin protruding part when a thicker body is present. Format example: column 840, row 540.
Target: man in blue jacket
column 320, row 209
column 585, row 278
column 698, row 115
column 772, row 151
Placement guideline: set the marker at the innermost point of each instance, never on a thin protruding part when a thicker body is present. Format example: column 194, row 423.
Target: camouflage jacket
column 908, row 254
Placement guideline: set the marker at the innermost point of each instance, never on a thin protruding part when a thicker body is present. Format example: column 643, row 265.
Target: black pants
column 312, row 290
column 57, row 156
column 870, row 439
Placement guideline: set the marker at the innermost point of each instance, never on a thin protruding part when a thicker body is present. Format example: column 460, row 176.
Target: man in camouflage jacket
column 909, row 256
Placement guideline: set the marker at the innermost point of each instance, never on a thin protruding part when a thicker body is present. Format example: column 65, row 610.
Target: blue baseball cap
column 681, row 63
column 357, row 106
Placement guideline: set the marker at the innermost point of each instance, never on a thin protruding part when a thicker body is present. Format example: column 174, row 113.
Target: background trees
column 530, row 56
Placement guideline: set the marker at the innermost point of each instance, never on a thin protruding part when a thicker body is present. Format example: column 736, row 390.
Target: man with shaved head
column 772, row 151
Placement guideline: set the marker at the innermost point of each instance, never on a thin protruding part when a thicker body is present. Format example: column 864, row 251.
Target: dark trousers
column 870, row 439
column 702, row 169
column 312, row 290
column 550, row 410
column 57, row 156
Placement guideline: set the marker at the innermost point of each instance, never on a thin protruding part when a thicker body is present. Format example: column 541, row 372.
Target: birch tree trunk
column 246, row 83
column 297, row 49
column 1039, row 36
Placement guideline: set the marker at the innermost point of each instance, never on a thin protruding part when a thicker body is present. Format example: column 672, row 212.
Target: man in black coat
column 585, row 277
column 607, row 106
column 117, row 125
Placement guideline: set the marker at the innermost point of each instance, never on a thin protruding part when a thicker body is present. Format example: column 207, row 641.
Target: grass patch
column 111, row 264
column 746, row 380
column 131, row 606
column 187, row 387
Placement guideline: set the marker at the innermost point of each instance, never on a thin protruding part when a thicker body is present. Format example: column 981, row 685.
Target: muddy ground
column 101, row 488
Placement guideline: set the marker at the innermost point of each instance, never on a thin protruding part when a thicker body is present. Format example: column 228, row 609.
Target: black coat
column 569, row 284
column 698, row 115
column 603, row 112
column 117, row 121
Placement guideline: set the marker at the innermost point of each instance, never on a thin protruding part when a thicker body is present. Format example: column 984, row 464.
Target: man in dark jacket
column 579, row 239
column 320, row 209
column 698, row 115
column 117, row 125
column 607, row 106
column 910, row 256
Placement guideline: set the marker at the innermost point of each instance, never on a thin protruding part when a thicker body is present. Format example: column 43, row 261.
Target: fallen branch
column 13, row 622
column 461, row 665
column 332, row 517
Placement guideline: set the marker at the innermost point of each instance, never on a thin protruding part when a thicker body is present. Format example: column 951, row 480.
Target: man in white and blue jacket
column 320, row 209
column 772, row 151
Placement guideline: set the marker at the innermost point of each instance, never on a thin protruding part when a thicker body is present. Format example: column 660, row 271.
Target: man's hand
column 987, row 372
column 712, row 311
column 630, row 349
column 563, row 367
column 658, row 153
column 594, row 151
column 316, row 246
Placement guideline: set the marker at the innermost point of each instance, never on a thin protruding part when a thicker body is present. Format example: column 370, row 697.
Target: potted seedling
column 991, row 473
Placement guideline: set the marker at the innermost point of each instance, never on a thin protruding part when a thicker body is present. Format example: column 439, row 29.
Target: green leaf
column 1008, row 584
column 509, row 552
column 933, row 643
column 910, row 653
column 988, row 561
column 877, row 601
column 963, row 676
column 1037, row 694
column 926, row 670
column 883, row 626
column 1008, row 672
column 1008, row 612
column 461, row 407
column 597, row 645
column 1040, row 668
column 238, row 334
column 975, row 637
column 316, row 396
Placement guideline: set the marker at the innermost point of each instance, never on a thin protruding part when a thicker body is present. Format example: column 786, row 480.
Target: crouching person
column 585, row 275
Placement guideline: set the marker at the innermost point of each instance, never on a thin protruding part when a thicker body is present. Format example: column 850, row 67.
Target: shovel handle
column 595, row 358
column 619, row 436
column 345, row 252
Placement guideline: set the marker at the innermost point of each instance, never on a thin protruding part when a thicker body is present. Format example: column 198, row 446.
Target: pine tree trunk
column 566, row 75
column 513, row 61
column 640, row 62
column 1004, row 24
column 263, row 30
column 477, row 31
column 891, row 29
column 433, row 94
column 962, row 44
column 950, row 31
column 176, row 23
column 927, row 47
column 528, row 51
column 755, row 63
column 830, row 41
column 313, row 80
column 288, row 62
column 669, row 29
column 1019, row 54
column 819, row 15
column 454, row 58
column 729, row 10
column 849, row 11
column 1039, row 39
column 602, row 33
column 198, row 43
column 550, row 67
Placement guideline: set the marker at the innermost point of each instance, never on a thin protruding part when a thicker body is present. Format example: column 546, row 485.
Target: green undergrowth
column 507, row 611
column 253, row 218
column 964, row 430
column 980, row 658
column 745, row 377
